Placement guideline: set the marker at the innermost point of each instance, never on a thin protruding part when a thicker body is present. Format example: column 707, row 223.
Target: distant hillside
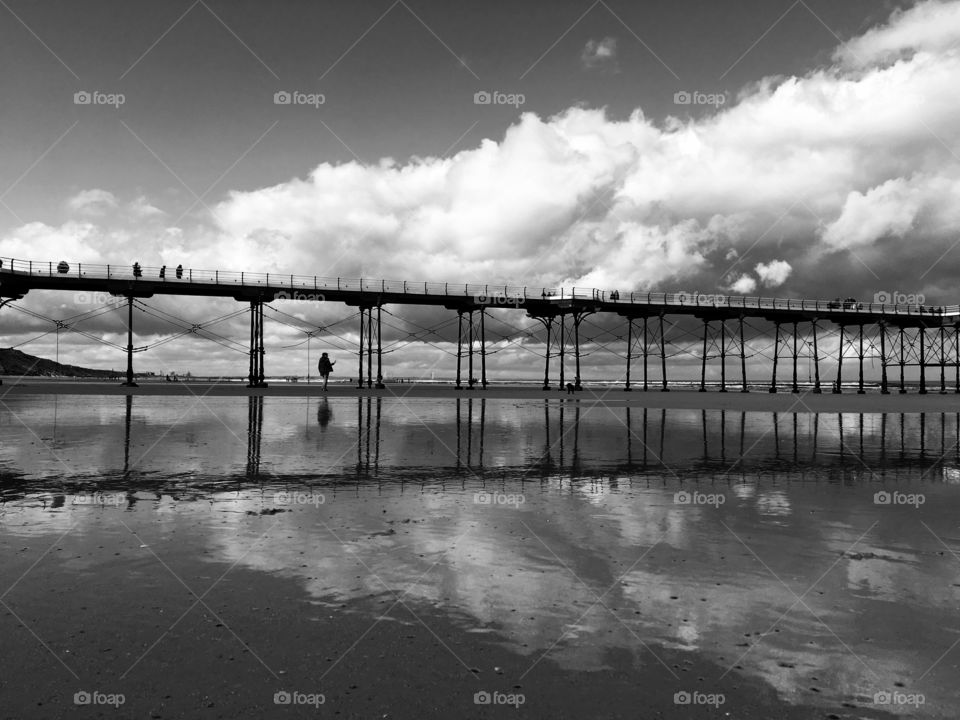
column 14, row 362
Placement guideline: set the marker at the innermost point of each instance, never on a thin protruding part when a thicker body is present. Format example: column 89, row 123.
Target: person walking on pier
column 179, row 272
column 325, row 367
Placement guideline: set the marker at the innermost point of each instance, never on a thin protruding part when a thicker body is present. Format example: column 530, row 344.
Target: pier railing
column 481, row 293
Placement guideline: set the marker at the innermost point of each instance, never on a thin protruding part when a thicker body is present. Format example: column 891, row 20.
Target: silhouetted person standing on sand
column 325, row 367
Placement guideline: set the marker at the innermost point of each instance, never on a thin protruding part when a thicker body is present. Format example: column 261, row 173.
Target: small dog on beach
column 570, row 388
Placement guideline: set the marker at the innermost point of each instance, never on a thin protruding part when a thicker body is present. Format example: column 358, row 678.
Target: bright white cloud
column 744, row 285
column 774, row 273
column 93, row 202
column 930, row 26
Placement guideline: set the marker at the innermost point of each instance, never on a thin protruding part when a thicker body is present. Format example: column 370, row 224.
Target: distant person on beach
column 325, row 367
column 179, row 271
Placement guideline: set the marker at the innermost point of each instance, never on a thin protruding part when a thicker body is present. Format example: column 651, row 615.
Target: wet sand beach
column 754, row 400
column 414, row 556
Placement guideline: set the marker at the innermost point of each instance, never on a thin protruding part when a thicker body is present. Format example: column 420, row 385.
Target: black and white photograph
column 581, row 359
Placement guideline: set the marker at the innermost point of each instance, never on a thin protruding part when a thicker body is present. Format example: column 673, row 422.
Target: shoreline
column 848, row 401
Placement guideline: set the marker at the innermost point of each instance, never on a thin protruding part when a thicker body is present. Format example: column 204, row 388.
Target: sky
column 796, row 149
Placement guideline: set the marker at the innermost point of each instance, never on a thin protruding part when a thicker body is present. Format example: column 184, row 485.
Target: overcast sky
column 805, row 149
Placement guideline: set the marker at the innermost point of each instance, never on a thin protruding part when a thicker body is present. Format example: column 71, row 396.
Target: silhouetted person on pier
column 163, row 272
column 325, row 367
column 137, row 272
column 179, row 272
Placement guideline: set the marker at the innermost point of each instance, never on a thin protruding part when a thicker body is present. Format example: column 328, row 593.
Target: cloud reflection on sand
column 600, row 520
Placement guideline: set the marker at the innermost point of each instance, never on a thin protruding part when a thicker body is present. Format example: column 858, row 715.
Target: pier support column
column 663, row 357
column 626, row 386
column 884, row 389
column 363, row 332
column 943, row 361
column 547, row 326
column 483, row 351
column 645, row 353
column 471, row 380
column 956, row 361
column 459, row 346
column 257, row 352
column 776, row 355
column 903, row 388
column 723, row 356
column 796, row 388
column 563, row 341
column 860, row 390
column 923, row 362
column 129, row 382
column 703, row 358
column 839, row 382
column 370, row 347
column 743, row 359
column 816, row 362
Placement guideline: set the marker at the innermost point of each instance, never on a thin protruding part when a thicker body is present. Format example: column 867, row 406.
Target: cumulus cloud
column 744, row 285
column 929, row 26
column 600, row 53
column 93, row 202
column 774, row 273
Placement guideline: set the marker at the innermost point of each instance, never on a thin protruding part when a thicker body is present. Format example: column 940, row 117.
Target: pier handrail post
column 216, row 276
column 108, row 272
